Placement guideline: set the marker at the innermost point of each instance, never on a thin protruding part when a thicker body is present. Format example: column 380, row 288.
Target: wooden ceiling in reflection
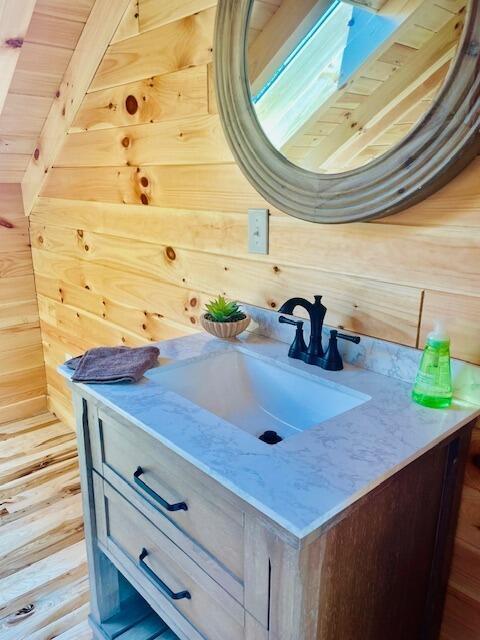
column 386, row 97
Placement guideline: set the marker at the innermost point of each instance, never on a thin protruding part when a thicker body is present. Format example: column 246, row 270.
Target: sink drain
column 270, row 437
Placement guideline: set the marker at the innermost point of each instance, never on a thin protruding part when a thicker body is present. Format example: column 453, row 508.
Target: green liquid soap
column 433, row 385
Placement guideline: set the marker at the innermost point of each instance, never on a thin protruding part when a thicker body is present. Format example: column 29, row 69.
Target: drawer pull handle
column 179, row 506
column 181, row 595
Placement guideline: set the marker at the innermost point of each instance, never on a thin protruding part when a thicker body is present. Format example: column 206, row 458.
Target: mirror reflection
column 336, row 85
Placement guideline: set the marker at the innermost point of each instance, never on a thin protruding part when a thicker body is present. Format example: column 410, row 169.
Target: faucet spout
column 289, row 305
column 316, row 312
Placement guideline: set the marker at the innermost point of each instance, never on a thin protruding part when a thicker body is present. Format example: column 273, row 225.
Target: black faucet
column 330, row 360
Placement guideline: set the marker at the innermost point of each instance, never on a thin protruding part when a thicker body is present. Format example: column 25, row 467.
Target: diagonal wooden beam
column 15, row 16
column 405, row 13
column 97, row 33
column 421, row 65
column 345, row 158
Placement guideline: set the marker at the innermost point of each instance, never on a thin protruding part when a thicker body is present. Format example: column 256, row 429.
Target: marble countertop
column 306, row 480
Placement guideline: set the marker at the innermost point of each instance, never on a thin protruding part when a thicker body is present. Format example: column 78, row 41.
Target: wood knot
column 193, row 302
column 193, row 320
column 144, row 181
column 57, row 93
column 131, row 105
column 170, row 251
column 40, row 239
column 6, row 223
column 36, row 153
column 80, row 233
column 14, row 43
column 144, row 199
column 276, row 269
column 126, row 142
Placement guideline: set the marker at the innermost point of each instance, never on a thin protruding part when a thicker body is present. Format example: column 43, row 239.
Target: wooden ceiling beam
column 345, row 158
column 96, row 36
column 405, row 12
column 421, row 65
column 15, row 18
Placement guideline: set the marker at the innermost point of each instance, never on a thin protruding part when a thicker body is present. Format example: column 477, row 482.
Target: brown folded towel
column 106, row 365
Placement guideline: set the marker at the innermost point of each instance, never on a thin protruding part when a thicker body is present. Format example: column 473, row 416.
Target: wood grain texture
column 461, row 314
column 41, row 55
column 41, row 537
column 185, row 43
column 358, row 568
column 129, row 254
column 22, row 373
column 462, row 610
column 129, row 25
column 152, row 14
column 168, row 143
column 166, row 97
column 354, row 303
column 96, row 34
column 14, row 21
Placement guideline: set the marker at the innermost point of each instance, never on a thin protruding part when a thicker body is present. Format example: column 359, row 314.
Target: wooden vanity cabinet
column 379, row 570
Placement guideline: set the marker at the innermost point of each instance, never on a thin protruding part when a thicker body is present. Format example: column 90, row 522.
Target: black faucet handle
column 333, row 360
column 298, row 346
column 344, row 336
column 295, row 323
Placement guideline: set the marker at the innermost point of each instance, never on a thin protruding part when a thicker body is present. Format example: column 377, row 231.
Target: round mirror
column 340, row 111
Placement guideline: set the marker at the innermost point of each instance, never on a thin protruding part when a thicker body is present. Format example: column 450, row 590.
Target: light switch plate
column 258, row 231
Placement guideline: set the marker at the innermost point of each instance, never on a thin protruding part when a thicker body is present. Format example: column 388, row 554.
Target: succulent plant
column 222, row 310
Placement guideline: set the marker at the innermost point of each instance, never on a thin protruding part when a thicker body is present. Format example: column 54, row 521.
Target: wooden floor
column 42, row 553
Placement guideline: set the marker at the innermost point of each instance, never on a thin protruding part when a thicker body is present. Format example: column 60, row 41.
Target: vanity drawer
column 175, row 585
column 188, row 509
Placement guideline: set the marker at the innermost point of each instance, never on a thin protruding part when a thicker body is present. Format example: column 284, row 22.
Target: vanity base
column 135, row 621
column 379, row 568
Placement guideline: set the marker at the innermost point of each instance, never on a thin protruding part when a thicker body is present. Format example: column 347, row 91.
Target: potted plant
column 224, row 319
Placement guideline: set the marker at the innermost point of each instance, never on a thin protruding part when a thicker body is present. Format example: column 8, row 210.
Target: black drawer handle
column 181, row 595
column 179, row 506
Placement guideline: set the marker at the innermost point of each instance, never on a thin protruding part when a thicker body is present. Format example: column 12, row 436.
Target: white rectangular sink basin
column 258, row 395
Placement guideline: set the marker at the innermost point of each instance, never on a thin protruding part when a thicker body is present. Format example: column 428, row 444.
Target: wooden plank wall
column 22, row 372
column 144, row 216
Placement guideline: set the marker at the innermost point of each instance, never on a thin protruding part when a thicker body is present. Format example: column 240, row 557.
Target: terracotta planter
column 224, row 329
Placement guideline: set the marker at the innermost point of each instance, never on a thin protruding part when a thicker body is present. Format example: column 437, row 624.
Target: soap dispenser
column 433, row 384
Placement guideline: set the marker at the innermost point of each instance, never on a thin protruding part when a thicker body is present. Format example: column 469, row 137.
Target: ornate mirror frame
column 437, row 149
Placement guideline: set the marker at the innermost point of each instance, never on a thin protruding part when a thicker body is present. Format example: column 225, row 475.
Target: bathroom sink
column 256, row 394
